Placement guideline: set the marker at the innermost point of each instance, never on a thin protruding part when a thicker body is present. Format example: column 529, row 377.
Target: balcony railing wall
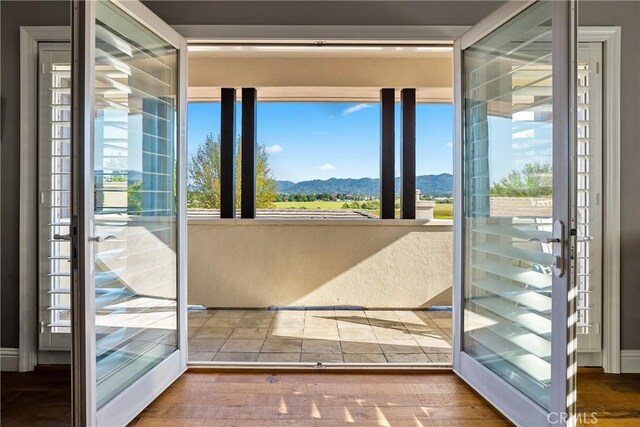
column 367, row 262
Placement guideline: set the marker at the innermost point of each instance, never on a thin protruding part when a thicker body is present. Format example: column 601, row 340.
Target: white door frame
column 610, row 37
column 31, row 36
column 28, row 264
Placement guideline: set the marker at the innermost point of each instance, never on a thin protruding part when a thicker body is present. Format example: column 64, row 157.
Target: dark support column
column 387, row 153
column 228, row 153
column 249, row 148
column 408, row 155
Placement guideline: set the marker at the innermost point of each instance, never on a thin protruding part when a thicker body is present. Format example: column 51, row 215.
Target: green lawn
column 309, row 205
column 441, row 210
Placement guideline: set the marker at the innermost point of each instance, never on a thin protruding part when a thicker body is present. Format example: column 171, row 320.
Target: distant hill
column 429, row 185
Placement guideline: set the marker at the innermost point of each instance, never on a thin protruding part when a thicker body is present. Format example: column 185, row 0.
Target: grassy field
column 441, row 210
column 309, row 205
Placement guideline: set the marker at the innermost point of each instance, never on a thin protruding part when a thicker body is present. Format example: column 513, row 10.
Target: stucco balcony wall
column 368, row 262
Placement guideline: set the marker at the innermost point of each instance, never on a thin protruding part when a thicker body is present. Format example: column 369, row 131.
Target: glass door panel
column 508, row 202
column 129, row 177
column 513, row 306
column 134, row 170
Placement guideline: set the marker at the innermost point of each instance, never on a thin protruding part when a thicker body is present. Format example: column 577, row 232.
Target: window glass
column 322, row 159
column 203, row 145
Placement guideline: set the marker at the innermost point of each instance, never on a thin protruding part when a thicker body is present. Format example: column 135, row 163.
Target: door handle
column 99, row 239
column 558, row 264
column 545, row 240
column 558, row 247
column 66, row 237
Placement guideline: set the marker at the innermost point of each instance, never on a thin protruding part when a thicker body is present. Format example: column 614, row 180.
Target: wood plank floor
column 613, row 399
column 42, row 398
column 319, row 399
column 38, row 398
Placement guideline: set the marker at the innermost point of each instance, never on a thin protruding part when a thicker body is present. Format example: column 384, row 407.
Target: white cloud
column 355, row 108
column 449, row 144
column 326, row 167
column 271, row 149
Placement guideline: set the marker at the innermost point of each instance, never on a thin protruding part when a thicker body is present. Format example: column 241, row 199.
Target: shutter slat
column 536, row 368
column 535, row 322
column 513, row 231
column 510, row 251
column 522, row 275
column 531, row 299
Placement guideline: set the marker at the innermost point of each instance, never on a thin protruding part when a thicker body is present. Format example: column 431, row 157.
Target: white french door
column 129, row 222
column 514, row 297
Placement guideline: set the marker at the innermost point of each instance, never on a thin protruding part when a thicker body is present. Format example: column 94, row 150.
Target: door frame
column 30, row 36
column 611, row 55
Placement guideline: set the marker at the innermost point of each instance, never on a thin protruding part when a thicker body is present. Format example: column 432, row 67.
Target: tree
column 204, row 177
column 535, row 180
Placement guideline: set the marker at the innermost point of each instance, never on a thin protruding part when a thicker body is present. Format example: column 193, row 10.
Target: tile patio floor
column 327, row 336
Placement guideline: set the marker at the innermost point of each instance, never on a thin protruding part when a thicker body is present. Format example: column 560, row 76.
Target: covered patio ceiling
column 321, row 73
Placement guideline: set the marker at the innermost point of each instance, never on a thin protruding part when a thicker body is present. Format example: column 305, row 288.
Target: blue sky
column 324, row 140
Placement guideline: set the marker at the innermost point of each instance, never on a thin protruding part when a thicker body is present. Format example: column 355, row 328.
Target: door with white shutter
column 514, row 304
column 54, row 190
column 589, row 171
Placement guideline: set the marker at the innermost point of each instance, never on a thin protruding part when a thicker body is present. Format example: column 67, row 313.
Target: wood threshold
column 254, row 369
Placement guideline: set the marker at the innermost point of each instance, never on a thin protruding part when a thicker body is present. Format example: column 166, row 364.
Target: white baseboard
column 9, row 359
column 630, row 361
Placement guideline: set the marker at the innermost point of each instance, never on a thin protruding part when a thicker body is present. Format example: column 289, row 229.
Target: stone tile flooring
column 327, row 336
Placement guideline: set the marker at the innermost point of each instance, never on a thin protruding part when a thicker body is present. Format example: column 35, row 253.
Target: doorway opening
column 317, row 276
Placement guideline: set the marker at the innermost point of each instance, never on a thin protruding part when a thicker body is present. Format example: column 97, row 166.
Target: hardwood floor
column 319, row 399
column 43, row 397
column 329, row 399
column 38, row 398
column 613, row 399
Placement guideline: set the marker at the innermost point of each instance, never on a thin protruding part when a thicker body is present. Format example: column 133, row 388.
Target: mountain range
column 429, row 185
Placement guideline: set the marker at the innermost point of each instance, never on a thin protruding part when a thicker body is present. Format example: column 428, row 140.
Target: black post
column 408, row 155
column 227, row 153
column 249, row 148
column 387, row 154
